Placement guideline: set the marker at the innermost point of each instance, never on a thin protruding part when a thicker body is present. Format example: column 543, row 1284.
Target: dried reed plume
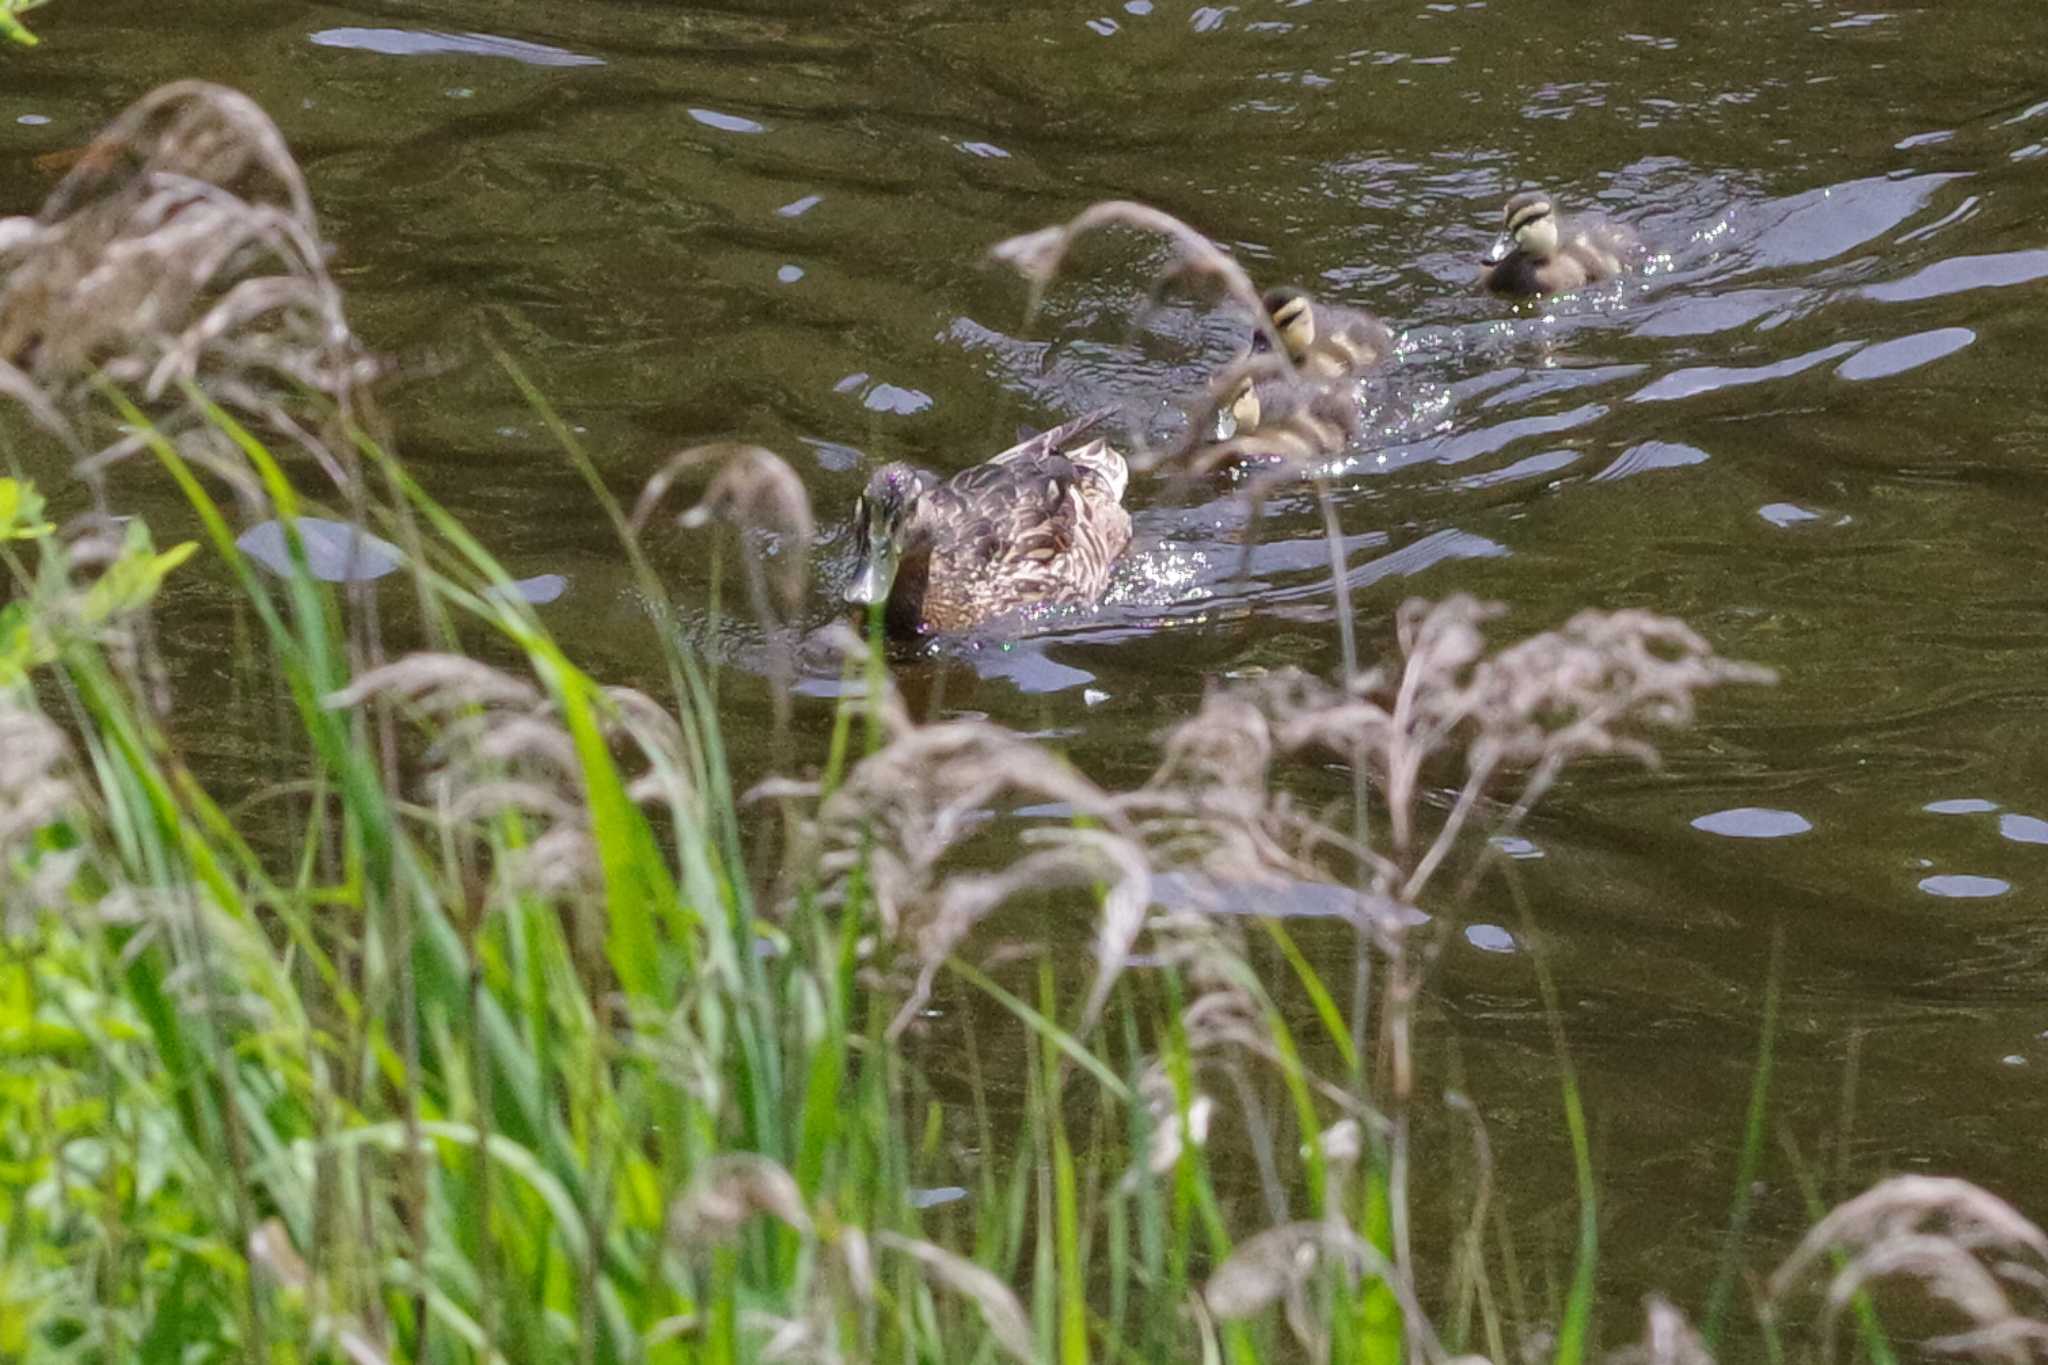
column 1304, row 420
column 726, row 1193
column 997, row 1304
column 37, row 790
column 757, row 492
column 732, row 1189
column 1592, row 688
column 1281, row 1265
column 1964, row 1246
column 1589, row 689
column 181, row 250
column 760, row 496
column 499, row 749
column 905, row 808
column 1038, row 256
column 1211, row 810
column 1668, row 1339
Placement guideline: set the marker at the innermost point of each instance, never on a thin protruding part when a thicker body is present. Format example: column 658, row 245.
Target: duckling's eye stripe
column 1528, row 216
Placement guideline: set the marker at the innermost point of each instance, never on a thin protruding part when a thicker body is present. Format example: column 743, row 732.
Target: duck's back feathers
column 1104, row 473
column 1603, row 249
column 1348, row 343
column 1032, row 525
column 1051, row 440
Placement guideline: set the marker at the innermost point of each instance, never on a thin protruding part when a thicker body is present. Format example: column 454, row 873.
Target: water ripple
column 406, row 42
column 1901, row 354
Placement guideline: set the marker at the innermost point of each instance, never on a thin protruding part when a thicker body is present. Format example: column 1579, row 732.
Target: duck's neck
column 904, row 615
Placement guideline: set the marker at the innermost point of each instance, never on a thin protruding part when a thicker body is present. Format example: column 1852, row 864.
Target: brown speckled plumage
column 1041, row 523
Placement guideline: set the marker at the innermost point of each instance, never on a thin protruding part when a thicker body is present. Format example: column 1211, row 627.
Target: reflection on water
column 1964, row 886
column 2024, row 829
column 1753, row 822
column 1901, row 354
column 1814, row 428
column 399, row 42
column 1490, row 938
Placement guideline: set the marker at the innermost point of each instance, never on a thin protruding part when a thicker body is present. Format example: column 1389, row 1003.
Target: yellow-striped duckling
column 1281, row 421
column 1041, row 523
column 1537, row 255
column 1323, row 340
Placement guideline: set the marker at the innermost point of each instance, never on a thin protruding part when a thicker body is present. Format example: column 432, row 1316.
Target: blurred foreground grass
column 11, row 26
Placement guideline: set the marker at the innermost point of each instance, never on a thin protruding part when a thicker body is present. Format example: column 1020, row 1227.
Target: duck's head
column 1293, row 315
column 881, row 529
column 1238, row 414
column 1527, row 224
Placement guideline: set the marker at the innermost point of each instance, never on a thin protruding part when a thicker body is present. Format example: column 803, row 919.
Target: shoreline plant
column 521, row 1036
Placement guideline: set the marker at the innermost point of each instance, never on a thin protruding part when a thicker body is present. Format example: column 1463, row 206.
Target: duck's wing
column 1360, row 339
column 1603, row 249
column 1004, row 525
column 1021, row 489
column 1050, row 441
column 1102, row 470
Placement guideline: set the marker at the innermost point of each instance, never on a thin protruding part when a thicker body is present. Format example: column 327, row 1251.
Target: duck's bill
column 1498, row 252
column 871, row 585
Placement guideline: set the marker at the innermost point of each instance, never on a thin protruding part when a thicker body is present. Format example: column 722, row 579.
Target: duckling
column 1241, row 410
column 1039, row 523
column 1323, row 340
column 1325, row 415
column 1535, row 255
column 1310, row 415
column 1280, row 421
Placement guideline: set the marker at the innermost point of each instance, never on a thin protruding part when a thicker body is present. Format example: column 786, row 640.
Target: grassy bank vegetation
column 503, row 1028
column 11, row 27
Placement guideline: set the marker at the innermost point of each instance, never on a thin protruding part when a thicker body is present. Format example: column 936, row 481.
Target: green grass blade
column 1723, row 1293
column 1574, row 1329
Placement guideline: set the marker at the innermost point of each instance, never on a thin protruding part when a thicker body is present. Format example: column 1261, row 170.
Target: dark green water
column 1817, row 432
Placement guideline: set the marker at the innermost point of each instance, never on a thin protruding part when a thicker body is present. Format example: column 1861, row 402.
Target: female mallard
column 1323, row 340
column 1039, row 523
column 1535, row 255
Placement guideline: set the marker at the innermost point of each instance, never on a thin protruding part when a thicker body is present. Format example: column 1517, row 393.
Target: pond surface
column 1817, row 431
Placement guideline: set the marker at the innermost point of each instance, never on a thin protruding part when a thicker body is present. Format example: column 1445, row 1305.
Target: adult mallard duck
column 1040, row 523
column 1536, row 254
column 1323, row 340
